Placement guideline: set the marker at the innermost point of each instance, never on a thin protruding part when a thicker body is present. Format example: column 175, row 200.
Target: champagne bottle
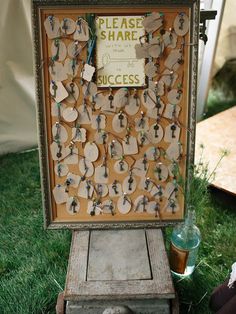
column 185, row 241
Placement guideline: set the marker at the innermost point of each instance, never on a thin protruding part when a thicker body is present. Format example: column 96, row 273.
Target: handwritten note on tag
column 88, row 72
column 58, row 91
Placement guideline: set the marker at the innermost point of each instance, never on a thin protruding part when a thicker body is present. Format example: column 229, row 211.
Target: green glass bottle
column 185, row 241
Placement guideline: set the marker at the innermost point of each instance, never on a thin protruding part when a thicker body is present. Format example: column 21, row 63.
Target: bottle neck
column 190, row 218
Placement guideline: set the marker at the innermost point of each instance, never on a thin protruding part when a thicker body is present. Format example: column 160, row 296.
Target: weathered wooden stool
column 118, row 271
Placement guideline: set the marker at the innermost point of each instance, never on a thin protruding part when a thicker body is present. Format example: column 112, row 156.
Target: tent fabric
column 17, row 92
column 18, row 127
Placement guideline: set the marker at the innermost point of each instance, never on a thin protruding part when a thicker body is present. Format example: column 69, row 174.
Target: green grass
column 33, row 261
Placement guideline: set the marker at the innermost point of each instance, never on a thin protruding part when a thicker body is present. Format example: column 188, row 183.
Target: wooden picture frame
column 55, row 215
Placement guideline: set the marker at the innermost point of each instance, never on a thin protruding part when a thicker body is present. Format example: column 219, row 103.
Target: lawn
column 33, row 261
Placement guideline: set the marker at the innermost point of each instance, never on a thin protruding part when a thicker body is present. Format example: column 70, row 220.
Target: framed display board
column 116, row 94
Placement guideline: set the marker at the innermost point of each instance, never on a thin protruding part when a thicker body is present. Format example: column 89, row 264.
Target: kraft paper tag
column 58, row 91
column 140, row 204
column 148, row 98
column 101, row 189
column 156, row 133
column 124, row 204
column 133, row 105
column 150, row 69
column 71, row 156
column 174, row 96
column 108, row 207
column 52, row 26
column 141, row 50
column 152, row 153
column 57, row 152
column 115, row 190
column 172, row 111
column 93, row 209
column 57, row 109
column 152, row 207
column 170, row 39
column 61, row 169
column 152, row 22
column 172, row 133
column 85, row 114
column 173, row 58
column 157, row 192
column 181, row 24
column 68, row 26
column 156, row 112
column 74, row 179
column 173, row 151
column 90, row 89
column 121, row 166
column 79, row 135
column 128, row 186
column 121, row 97
column 130, row 147
column 140, row 168
column 169, row 190
column 115, row 149
column 74, row 49
column 82, row 31
column 161, row 172
column 145, row 184
column 157, row 87
column 57, row 71
column 156, row 48
column 86, row 168
column 143, row 138
column 88, row 72
column 72, row 206
column 71, row 67
column 101, row 174
column 84, row 191
column 101, row 137
column 73, row 91
column 59, row 133
column 169, row 206
column 169, row 77
column 119, row 122
column 60, row 196
column 91, row 151
column 98, row 122
column 58, row 50
column 141, row 124
column 70, row 114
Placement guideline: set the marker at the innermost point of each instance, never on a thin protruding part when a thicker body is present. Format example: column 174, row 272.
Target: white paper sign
column 117, row 64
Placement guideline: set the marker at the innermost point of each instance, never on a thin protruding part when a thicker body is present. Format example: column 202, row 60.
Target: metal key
column 114, row 187
column 121, row 118
column 173, row 129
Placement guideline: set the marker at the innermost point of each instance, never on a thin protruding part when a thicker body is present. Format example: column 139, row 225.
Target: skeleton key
column 104, row 164
column 112, row 147
column 147, row 182
column 157, row 210
column 127, row 136
column 59, row 154
column 110, row 97
column 71, row 147
column 59, row 111
column 181, row 21
column 125, row 199
column 88, row 187
column 158, row 170
column 65, row 26
column 104, row 137
column 172, row 206
column 130, row 181
column 73, row 205
column 54, row 88
column 98, row 120
column 136, row 97
column 159, row 193
column 68, row 183
column 92, row 213
column 57, row 45
column 142, row 121
column 145, row 94
column 145, row 161
column 111, row 207
column 144, row 203
column 173, row 128
column 79, row 24
column 158, row 104
column 73, row 65
column 121, row 164
column 59, row 170
column 156, row 128
column 78, row 133
column 85, row 170
column 99, row 189
column 143, row 138
column 57, row 135
column 121, row 118
column 114, row 187
column 85, row 109
column 155, row 154
column 51, row 21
